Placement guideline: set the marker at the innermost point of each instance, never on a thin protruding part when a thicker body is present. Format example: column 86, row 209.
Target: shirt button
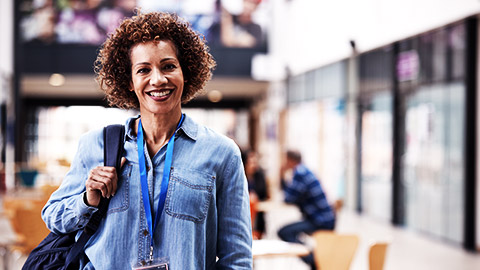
column 145, row 232
column 87, row 215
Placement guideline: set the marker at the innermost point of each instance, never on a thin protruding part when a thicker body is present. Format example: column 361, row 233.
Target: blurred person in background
column 77, row 23
column 40, row 24
column 237, row 30
column 195, row 212
column 257, row 188
column 305, row 191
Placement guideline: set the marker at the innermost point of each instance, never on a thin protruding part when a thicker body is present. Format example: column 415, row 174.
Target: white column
column 6, row 75
column 351, row 180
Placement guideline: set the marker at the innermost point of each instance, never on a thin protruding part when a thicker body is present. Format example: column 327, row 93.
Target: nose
column 157, row 77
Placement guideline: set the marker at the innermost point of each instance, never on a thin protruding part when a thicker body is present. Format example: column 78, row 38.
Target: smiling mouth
column 159, row 93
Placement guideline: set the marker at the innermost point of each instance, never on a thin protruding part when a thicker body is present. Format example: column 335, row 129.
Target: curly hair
column 113, row 65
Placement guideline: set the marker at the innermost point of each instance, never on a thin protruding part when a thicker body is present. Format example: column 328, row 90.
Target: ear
column 131, row 88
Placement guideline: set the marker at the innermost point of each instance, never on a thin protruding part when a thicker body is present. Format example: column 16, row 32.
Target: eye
column 170, row 67
column 143, row 70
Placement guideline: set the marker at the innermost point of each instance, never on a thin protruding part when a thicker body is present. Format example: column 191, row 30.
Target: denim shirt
column 205, row 223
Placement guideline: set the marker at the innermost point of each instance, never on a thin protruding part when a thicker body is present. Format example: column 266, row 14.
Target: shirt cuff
column 84, row 211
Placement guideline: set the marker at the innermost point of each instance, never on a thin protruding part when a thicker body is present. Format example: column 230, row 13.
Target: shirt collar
column 189, row 128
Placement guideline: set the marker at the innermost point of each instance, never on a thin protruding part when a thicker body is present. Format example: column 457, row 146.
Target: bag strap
column 113, row 136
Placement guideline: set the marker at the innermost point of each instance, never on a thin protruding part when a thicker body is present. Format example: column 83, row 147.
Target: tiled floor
column 408, row 250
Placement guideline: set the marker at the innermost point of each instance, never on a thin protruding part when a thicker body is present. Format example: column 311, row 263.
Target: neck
column 158, row 129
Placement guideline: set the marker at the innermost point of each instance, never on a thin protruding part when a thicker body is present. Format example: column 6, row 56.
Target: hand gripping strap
column 113, row 138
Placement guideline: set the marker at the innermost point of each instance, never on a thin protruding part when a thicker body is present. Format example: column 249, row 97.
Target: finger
column 95, row 186
column 104, row 169
column 93, row 196
column 122, row 161
column 105, row 180
column 107, row 174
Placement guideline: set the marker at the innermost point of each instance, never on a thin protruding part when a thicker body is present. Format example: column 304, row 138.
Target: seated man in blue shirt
column 306, row 192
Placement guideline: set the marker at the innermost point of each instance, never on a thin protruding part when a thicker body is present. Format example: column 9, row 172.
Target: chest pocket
column 120, row 201
column 189, row 194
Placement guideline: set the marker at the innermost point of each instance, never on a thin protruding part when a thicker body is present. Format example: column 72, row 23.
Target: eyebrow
column 142, row 63
column 161, row 61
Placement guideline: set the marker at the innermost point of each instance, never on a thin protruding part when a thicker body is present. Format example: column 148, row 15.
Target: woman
column 257, row 187
column 155, row 62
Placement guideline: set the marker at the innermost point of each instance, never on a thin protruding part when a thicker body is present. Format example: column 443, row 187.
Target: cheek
column 181, row 82
column 136, row 83
column 135, row 88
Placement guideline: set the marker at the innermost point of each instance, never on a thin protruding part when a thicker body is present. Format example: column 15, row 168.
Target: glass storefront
column 418, row 108
column 434, row 160
column 377, row 157
column 376, row 134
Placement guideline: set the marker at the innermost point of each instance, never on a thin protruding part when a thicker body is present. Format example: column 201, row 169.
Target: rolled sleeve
column 84, row 211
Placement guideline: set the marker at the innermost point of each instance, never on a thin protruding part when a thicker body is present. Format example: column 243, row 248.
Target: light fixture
column 214, row 96
column 56, row 79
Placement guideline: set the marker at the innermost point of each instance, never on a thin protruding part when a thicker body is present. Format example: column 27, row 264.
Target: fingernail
column 113, row 194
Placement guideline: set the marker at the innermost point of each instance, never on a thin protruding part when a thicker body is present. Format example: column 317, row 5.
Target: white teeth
column 159, row 94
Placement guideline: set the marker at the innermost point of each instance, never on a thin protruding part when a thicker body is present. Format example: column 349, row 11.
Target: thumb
column 122, row 161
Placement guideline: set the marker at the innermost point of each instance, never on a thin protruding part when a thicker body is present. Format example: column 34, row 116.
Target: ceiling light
column 214, row 96
column 56, row 79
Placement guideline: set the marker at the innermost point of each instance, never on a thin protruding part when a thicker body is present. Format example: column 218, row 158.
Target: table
column 271, row 205
column 272, row 248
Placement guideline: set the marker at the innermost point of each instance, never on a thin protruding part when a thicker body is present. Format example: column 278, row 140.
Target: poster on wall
column 232, row 23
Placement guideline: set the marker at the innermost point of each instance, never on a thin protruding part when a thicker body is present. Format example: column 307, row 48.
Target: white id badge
column 155, row 264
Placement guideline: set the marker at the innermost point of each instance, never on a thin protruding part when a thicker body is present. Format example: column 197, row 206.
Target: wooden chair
column 334, row 251
column 26, row 221
column 376, row 255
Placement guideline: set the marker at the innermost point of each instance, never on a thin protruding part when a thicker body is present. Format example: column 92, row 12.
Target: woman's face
column 252, row 163
column 157, row 77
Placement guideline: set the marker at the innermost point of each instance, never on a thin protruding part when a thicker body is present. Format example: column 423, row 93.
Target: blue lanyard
column 144, row 181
